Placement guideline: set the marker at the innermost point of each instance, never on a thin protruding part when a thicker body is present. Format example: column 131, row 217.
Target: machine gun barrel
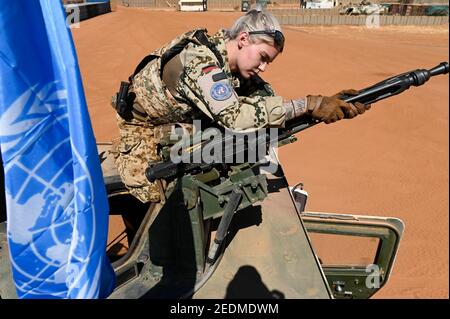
column 396, row 84
column 382, row 90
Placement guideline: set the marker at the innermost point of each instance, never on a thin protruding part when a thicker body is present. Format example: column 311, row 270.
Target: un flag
column 57, row 209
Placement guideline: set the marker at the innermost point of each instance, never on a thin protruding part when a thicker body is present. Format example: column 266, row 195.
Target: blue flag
column 57, row 208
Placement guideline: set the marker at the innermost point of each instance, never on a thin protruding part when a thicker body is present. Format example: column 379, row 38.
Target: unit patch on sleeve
column 220, row 91
column 216, row 90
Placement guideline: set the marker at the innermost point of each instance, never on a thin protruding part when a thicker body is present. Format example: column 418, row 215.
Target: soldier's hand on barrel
column 329, row 109
column 342, row 93
column 359, row 106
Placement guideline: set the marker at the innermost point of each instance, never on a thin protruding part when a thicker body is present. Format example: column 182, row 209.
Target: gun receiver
column 382, row 90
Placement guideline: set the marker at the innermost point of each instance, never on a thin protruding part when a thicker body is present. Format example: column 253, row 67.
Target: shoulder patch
column 216, row 91
column 221, row 91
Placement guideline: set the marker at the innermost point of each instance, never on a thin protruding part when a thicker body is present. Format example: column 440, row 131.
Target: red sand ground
column 392, row 161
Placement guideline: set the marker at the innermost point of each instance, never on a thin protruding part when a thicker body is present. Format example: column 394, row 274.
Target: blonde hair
column 255, row 19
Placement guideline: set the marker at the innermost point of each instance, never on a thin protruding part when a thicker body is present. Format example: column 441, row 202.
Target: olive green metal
column 204, row 201
column 225, row 221
column 358, row 281
column 198, row 237
column 192, row 202
column 266, row 252
column 210, row 176
column 215, row 194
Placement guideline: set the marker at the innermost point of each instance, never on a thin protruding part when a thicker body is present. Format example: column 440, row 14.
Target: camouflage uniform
column 193, row 84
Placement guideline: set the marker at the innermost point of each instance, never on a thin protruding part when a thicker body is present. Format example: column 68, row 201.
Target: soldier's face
column 254, row 57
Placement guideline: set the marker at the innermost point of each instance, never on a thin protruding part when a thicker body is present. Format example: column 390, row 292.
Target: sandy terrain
column 392, row 161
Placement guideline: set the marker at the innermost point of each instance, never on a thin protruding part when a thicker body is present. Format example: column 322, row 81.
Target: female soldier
column 212, row 78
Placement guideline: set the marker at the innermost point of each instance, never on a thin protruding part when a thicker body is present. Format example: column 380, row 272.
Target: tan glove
column 330, row 109
column 361, row 107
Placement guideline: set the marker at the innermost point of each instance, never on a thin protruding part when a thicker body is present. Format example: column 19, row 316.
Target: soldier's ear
column 243, row 39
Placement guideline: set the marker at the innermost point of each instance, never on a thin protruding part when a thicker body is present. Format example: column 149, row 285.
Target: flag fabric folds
column 57, row 208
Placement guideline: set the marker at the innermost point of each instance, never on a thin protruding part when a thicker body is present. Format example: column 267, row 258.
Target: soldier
column 214, row 79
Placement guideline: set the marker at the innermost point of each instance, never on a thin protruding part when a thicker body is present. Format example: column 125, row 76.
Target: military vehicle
column 363, row 8
column 228, row 229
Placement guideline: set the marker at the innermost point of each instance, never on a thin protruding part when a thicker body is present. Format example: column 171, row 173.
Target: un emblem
column 220, row 91
column 52, row 252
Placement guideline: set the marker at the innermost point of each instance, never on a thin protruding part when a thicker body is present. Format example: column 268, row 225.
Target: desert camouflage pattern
column 137, row 146
column 249, row 108
column 251, row 105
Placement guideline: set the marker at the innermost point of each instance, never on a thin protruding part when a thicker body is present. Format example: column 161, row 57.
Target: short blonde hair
column 255, row 20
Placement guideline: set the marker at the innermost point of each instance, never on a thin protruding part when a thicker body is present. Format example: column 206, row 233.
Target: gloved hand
column 361, row 107
column 330, row 109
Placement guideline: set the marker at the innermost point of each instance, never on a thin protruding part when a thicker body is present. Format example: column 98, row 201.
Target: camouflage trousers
column 137, row 146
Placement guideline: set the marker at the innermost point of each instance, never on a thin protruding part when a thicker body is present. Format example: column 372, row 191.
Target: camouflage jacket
column 203, row 87
column 194, row 85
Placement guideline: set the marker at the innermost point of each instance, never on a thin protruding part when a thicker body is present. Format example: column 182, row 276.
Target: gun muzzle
column 442, row 68
column 419, row 77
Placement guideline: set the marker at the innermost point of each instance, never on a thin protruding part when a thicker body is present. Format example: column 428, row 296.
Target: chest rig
column 123, row 100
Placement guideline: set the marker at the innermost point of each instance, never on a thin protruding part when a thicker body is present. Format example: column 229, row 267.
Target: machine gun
column 382, row 90
column 220, row 186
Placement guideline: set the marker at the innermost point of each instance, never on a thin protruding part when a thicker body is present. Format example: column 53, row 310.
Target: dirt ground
column 392, row 161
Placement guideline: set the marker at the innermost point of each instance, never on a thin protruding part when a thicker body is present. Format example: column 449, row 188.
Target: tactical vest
column 163, row 105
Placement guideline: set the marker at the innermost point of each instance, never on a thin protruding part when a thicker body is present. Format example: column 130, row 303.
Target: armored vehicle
column 163, row 250
column 172, row 251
